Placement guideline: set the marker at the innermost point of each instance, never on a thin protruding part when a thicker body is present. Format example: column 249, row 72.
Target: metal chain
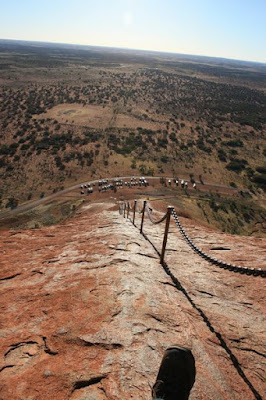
column 148, row 209
column 137, row 207
column 140, row 211
column 121, row 208
column 218, row 263
column 130, row 206
column 212, row 260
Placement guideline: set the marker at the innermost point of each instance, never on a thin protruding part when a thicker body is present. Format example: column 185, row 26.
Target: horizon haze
column 221, row 29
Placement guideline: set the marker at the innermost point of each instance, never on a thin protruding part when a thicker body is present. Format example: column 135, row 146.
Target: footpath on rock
column 87, row 310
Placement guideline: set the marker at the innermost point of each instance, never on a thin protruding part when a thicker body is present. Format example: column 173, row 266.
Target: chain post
column 127, row 209
column 134, row 211
column 143, row 212
column 124, row 204
column 166, row 230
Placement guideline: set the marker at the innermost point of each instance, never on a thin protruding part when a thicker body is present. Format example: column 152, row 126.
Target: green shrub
column 237, row 165
column 260, row 180
column 222, row 155
column 261, row 170
column 164, row 159
column 234, row 143
column 172, row 136
column 12, row 203
column 162, row 142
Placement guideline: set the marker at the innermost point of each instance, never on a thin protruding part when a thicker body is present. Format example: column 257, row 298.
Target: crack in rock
column 110, row 264
column 47, row 348
column 51, row 261
column 105, row 346
column 253, row 351
column 6, row 366
column 239, row 340
column 88, row 382
column 9, row 277
column 148, row 330
column 220, row 248
column 125, row 291
column 208, row 294
column 155, row 317
column 17, row 345
column 147, row 255
column 116, row 313
column 36, row 271
column 168, row 283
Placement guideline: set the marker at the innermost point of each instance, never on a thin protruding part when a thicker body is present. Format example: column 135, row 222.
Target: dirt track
column 31, row 204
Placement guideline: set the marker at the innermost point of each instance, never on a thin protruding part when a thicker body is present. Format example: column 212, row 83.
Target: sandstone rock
column 87, row 310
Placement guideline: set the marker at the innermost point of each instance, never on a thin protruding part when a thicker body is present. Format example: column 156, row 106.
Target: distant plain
column 74, row 113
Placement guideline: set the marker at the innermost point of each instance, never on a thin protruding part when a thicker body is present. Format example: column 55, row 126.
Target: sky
column 219, row 28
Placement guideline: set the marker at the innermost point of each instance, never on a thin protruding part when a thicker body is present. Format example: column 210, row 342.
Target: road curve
column 32, row 204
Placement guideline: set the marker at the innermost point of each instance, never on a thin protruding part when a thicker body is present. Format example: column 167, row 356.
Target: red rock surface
column 87, row 310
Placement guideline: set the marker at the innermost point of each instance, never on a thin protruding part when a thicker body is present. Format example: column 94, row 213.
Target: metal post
column 127, row 209
column 167, row 223
column 143, row 212
column 134, row 211
column 124, row 205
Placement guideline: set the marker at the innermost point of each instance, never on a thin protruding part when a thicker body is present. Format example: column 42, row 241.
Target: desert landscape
column 73, row 113
column 87, row 308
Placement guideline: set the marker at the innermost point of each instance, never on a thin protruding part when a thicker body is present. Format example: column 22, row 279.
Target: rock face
column 87, row 310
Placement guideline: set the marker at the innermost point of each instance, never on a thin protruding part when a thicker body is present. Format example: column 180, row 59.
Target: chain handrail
column 213, row 260
column 140, row 211
column 137, row 208
column 148, row 209
column 121, row 208
column 171, row 211
column 130, row 206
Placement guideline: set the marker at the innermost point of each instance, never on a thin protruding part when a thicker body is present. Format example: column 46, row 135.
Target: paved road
column 32, row 204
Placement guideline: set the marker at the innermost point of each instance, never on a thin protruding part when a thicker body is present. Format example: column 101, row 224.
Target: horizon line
column 135, row 49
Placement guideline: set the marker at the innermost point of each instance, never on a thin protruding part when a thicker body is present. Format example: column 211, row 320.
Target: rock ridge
column 87, row 310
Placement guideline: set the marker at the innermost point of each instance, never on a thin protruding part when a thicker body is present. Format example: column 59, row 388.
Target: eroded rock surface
column 87, row 310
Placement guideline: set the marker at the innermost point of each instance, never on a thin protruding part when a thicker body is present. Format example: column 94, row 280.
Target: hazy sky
column 221, row 28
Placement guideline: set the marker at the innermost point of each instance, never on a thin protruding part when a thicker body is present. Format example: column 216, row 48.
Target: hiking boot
column 176, row 375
